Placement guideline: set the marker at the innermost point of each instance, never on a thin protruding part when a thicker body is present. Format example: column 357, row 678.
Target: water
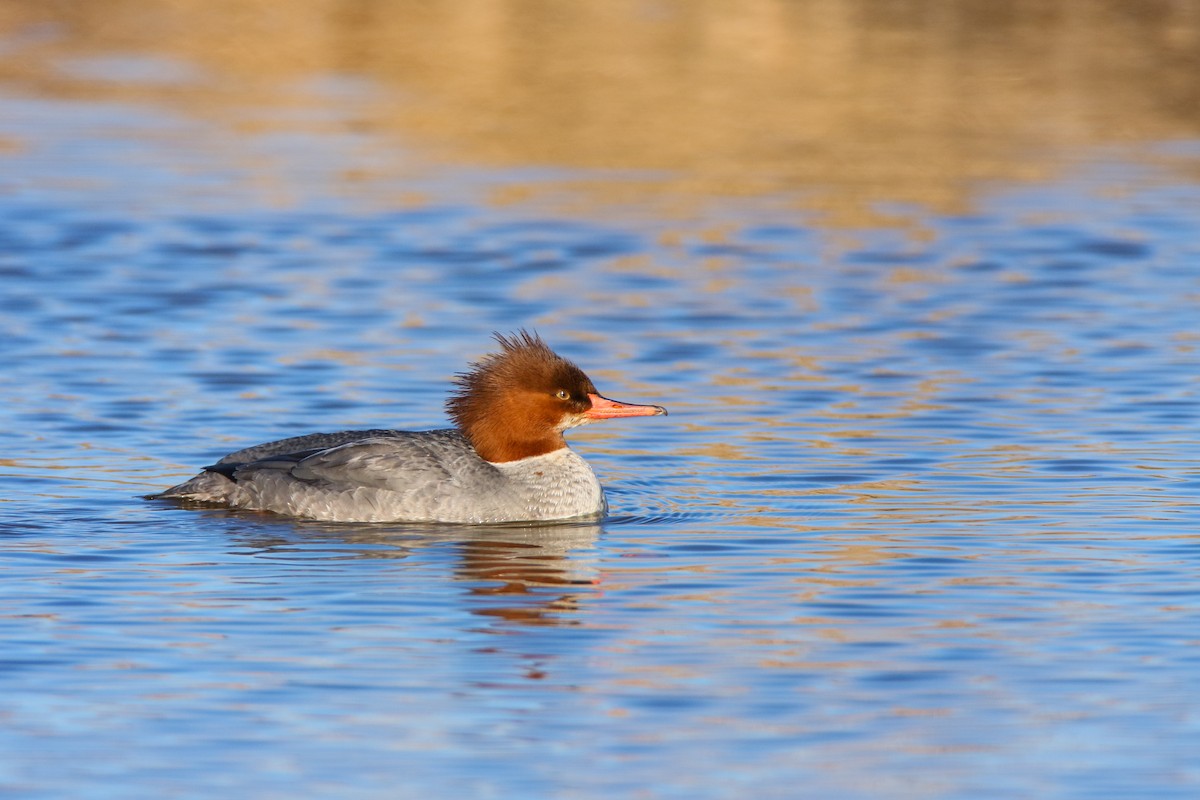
column 922, row 522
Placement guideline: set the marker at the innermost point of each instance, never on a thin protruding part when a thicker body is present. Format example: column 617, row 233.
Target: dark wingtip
column 227, row 470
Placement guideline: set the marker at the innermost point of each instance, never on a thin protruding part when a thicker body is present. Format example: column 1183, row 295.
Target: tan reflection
column 523, row 564
column 529, row 575
column 861, row 101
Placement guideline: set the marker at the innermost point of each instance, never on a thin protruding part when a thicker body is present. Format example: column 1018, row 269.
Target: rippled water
column 923, row 521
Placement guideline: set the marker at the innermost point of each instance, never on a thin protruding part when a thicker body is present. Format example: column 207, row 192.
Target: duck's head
column 516, row 403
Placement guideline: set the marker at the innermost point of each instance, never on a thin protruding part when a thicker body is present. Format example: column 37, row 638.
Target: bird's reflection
column 528, row 565
column 523, row 574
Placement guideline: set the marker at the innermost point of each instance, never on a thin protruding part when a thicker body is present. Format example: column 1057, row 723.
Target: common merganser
column 505, row 461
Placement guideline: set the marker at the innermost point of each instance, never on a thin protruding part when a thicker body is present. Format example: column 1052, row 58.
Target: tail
column 207, row 487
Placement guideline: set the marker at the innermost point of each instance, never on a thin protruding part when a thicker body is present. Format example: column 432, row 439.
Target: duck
column 505, row 459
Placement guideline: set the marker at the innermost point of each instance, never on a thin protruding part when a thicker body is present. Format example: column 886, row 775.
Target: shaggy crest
column 522, row 381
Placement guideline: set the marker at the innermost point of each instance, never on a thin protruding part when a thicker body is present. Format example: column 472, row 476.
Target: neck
column 499, row 445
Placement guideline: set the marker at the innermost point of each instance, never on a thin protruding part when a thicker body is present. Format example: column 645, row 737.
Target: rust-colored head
column 516, row 403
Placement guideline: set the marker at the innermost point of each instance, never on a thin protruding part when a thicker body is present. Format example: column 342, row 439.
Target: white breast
column 556, row 485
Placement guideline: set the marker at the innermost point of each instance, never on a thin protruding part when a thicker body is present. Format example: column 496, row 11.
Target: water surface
column 922, row 522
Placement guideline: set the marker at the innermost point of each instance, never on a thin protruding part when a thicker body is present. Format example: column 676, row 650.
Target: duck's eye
column 561, row 394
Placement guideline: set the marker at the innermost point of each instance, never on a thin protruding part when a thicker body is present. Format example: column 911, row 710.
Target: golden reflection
column 529, row 575
column 849, row 101
column 521, row 564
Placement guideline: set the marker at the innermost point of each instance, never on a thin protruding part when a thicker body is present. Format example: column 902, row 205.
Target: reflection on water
column 923, row 520
column 524, row 574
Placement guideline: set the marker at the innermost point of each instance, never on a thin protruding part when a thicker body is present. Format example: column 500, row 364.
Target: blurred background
column 918, row 281
column 839, row 103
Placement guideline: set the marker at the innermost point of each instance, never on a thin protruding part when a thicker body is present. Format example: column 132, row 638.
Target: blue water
column 923, row 521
